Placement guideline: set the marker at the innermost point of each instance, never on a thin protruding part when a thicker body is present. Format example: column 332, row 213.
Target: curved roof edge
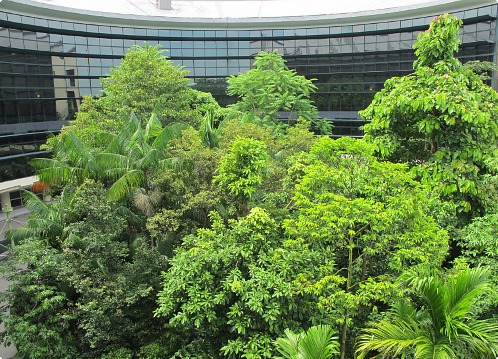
column 50, row 11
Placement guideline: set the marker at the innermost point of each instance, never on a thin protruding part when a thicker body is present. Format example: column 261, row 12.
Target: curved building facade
column 51, row 55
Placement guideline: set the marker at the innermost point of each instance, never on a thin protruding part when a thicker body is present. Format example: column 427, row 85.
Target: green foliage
column 93, row 291
column 270, row 88
column 316, row 343
column 479, row 242
column 439, row 43
column 121, row 353
column 442, row 119
column 481, row 68
column 203, row 105
column 46, row 222
column 238, row 287
column 439, row 323
column 187, row 192
column 241, row 171
column 145, row 82
column 127, row 163
column 372, row 217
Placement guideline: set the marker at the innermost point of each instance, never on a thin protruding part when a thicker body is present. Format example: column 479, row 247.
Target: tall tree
column 86, row 292
column 372, row 216
column 441, row 119
column 270, row 88
column 144, row 82
column 237, row 287
column 241, row 171
column 439, row 322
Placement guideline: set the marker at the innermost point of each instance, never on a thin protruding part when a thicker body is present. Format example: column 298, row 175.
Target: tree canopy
column 271, row 87
column 145, row 82
column 212, row 236
column 442, row 119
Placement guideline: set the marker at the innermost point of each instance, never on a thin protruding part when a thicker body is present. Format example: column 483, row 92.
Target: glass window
column 116, row 30
column 28, row 20
column 470, row 13
column 104, row 29
column 93, row 29
column 67, row 26
column 358, row 28
column 371, row 27
column 80, row 27
column 105, row 42
column 175, row 33
column 14, row 18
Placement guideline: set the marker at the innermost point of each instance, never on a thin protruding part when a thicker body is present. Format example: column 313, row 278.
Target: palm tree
column 124, row 166
column 46, row 222
column 441, row 326
column 317, row 343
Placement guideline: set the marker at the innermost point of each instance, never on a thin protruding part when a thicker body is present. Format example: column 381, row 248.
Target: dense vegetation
column 185, row 230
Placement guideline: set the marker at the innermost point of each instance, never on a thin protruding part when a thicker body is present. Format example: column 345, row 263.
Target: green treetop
column 145, row 82
column 442, row 119
column 270, row 88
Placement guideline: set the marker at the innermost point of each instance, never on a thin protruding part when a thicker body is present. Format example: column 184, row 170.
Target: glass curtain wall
column 47, row 66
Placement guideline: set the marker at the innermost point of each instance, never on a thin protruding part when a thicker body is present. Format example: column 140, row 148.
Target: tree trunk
column 348, row 288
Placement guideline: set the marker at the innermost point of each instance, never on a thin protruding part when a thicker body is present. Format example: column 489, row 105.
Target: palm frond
column 130, row 216
column 441, row 351
column 71, row 150
column 153, row 128
column 60, row 175
column 390, row 339
column 114, row 174
column 122, row 139
column 107, row 161
column 319, row 343
column 35, row 204
column 394, row 336
column 126, row 184
column 151, row 159
column 463, row 289
column 443, row 327
column 481, row 336
column 40, row 163
column 433, row 296
column 138, row 142
column 170, row 132
column 18, row 234
column 289, row 346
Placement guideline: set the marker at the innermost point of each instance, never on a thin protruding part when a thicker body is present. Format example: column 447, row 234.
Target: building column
column 5, row 199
